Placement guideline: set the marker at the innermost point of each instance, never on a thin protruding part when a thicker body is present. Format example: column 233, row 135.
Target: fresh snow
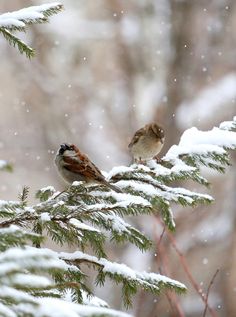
column 82, row 226
column 228, row 125
column 122, row 198
column 57, row 308
column 45, row 216
column 32, row 257
column 92, row 300
column 120, row 269
column 124, row 169
column 196, row 142
column 18, row 18
column 5, row 311
column 145, row 188
column 117, row 223
column 30, row 280
column 47, row 188
column 214, row 137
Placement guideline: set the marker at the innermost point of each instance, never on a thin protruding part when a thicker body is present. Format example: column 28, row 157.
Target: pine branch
column 24, row 195
column 15, row 41
column 18, row 20
column 120, row 273
column 84, row 214
column 229, row 125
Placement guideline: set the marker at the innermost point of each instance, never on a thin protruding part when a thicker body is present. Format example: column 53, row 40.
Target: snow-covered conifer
column 86, row 216
column 19, row 20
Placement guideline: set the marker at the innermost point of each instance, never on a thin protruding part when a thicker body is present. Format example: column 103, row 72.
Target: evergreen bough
column 18, row 21
column 35, row 281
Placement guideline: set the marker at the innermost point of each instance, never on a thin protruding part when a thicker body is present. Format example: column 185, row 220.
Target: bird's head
column 158, row 131
column 65, row 148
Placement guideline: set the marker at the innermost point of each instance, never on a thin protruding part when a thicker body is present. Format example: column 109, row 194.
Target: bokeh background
column 102, row 70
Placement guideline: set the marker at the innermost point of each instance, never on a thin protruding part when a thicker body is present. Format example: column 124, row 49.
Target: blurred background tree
column 102, row 70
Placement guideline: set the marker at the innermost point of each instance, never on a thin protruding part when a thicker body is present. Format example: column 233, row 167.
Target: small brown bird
column 147, row 142
column 76, row 166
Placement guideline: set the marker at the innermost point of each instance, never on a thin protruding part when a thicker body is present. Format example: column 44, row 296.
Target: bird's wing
column 82, row 165
column 137, row 136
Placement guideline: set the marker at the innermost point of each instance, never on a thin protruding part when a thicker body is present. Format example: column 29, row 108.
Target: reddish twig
column 208, row 291
column 171, row 296
column 188, row 273
column 160, row 239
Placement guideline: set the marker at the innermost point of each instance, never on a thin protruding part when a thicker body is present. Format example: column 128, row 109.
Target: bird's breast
column 146, row 148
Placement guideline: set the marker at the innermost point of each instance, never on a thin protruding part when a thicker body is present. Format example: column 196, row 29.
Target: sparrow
column 73, row 166
column 147, row 142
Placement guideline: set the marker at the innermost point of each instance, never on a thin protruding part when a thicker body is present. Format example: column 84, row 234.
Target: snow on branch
column 84, row 214
column 122, row 273
column 18, row 20
column 182, row 161
column 51, row 307
column 22, row 271
column 228, row 125
column 207, row 148
column 24, row 288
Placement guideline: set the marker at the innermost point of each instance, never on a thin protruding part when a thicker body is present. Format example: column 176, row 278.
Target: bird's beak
column 162, row 140
column 63, row 148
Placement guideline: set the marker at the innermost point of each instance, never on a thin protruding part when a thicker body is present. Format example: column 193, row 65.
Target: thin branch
column 171, row 297
column 77, row 262
column 161, row 237
column 188, row 273
column 208, row 291
column 15, row 41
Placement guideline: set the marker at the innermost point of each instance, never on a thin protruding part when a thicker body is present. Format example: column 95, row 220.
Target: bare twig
column 160, row 239
column 171, row 297
column 208, row 291
column 188, row 273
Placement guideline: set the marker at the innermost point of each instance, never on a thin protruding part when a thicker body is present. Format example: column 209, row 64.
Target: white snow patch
column 194, row 141
column 213, row 137
column 31, row 280
column 119, row 170
column 121, row 269
column 29, row 209
column 5, row 311
column 80, row 225
column 145, row 188
column 228, row 125
column 93, row 300
column 30, row 14
column 123, row 198
column 48, row 188
column 58, row 308
column 58, row 204
column 45, row 216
